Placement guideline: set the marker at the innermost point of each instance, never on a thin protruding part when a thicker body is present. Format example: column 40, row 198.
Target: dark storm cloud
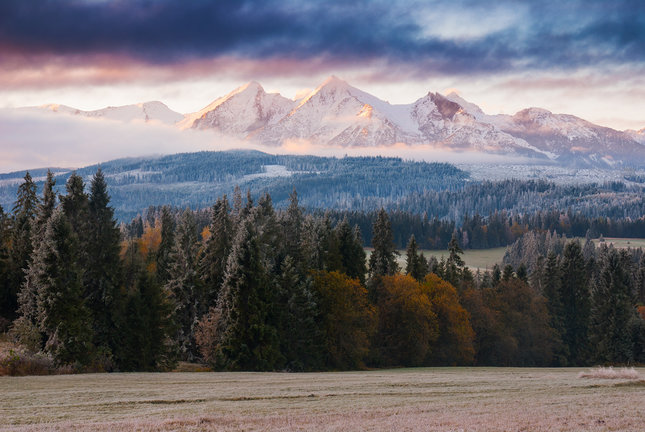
column 544, row 35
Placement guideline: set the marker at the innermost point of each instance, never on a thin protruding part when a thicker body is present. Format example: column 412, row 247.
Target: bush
column 18, row 362
column 610, row 373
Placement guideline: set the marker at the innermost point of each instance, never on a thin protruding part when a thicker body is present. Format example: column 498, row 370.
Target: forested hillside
column 255, row 288
column 196, row 179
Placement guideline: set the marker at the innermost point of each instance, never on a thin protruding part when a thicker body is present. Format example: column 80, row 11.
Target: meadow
column 483, row 259
column 423, row 399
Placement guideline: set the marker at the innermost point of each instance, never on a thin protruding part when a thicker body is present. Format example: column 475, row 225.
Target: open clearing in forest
column 437, row 399
column 622, row 242
column 474, row 258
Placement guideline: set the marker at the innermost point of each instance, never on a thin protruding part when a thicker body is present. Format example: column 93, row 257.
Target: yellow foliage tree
column 407, row 325
column 347, row 319
column 455, row 343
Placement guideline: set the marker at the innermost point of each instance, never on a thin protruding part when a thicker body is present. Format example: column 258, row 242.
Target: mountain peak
column 332, row 83
column 251, row 87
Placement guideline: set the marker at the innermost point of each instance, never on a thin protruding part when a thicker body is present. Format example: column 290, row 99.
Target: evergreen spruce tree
column 24, row 215
column 575, row 295
column 292, row 225
column 5, row 270
column 640, row 282
column 148, row 321
column 248, row 341
column 454, row 266
column 165, row 247
column 416, row 265
column 185, row 287
column 102, row 275
column 611, row 311
column 383, row 258
column 75, row 204
column 62, row 313
column 212, row 264
column 552, row 286
column 26, row 326
column 298, row 331
column 351, row 250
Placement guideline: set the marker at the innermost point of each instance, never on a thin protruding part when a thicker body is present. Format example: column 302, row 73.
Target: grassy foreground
column 437, row 399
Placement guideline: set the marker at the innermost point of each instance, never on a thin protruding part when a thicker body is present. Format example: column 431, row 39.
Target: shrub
column 17, row 362
column 610, row 373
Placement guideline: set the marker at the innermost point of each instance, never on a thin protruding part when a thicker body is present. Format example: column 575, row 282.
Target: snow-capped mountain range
column 337, row 114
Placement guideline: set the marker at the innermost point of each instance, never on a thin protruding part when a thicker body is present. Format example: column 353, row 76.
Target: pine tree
column 575, row 297
column 292, row 225
column 102, row 276
column 298, row 331
column 185, row 287
column 612, row 311
column 247, row 341
column 552, row 286
column 75, row 204
column 23, row 230
column 26, row 326
column 416, row 265
column 62, row 313
column 148, row 327
column 351, row 250
column 5, row 268
column 212, row 264
column 383, row 258
column 165, row 247
column 454, row 264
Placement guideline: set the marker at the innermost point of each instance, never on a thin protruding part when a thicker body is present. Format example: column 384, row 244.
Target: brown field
column 474, row 258
column 426, row 399
column 622, row 242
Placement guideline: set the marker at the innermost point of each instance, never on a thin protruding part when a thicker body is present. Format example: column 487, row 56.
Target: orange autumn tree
column 407, row 325
column 455, row 343
column 347, row 319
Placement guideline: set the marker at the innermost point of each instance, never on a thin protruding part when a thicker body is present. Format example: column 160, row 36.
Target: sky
column 585, row 58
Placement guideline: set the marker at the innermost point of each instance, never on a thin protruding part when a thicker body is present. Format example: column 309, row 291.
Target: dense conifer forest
column 243, row 286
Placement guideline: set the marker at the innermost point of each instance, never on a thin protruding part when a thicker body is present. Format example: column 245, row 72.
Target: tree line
column 253, row 288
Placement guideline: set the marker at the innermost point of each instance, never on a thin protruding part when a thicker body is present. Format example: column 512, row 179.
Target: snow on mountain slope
column 339, row 115
column 573, row 139
column 243, row 111
column 638, row 136
column 147, row 111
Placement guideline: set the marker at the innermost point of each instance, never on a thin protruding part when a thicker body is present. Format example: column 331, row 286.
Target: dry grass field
column 474, row 258
column 623, row 242
column 427, row 399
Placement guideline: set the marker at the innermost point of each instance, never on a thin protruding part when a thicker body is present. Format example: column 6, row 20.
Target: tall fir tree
column 383, row 258
column 5, row 270
column 415, row 263
column 612, row 311
column 23, row 230
column 146, row 341
column 454, row 264
column 298, row 316
column 75, row 204
column 292, row 225
column 212, row 263
column 102, row 276
column 640, row 282
column 26, row 326
column 352, row 254
column 552, row 287
column 247, row 340
column 62, row 313
column 575, row 296
column 184, row 285
column 164, row 252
